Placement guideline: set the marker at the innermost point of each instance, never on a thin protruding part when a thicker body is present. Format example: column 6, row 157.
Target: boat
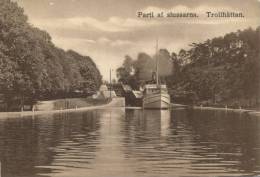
column 155, row 96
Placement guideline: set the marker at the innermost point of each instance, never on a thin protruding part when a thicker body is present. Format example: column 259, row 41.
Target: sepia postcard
column 129, row 88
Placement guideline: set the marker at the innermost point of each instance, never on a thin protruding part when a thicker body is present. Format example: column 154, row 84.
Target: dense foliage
column 32, row 67
column 142, row 70
column 221, row 71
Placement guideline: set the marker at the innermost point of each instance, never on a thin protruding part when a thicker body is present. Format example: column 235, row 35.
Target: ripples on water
column 131, row 143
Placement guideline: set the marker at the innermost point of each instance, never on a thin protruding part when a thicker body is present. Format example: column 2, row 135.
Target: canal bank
column 250, row 112
column 246, row 111
column 115, row 102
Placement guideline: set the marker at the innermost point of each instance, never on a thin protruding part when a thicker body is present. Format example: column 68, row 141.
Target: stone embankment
column 47, row 107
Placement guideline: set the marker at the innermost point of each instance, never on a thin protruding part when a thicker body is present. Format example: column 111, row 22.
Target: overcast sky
column 107, row 30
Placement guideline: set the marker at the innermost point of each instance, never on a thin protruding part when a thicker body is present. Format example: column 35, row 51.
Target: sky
column 107, row 30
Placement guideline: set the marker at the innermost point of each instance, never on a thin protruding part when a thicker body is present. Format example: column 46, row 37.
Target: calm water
column 116, row 143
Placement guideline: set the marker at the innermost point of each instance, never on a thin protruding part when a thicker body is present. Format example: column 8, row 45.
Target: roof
column 126, row 87
column 106, row 94
column 149, row 86
column 137, row 94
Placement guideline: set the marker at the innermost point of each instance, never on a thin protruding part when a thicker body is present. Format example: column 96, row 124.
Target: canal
column 131, row 143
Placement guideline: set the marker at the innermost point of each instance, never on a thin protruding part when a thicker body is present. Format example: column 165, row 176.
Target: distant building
column 107, row 93
column 126, row 88
column 104, row 93
column 134, row 98
column 121, row 90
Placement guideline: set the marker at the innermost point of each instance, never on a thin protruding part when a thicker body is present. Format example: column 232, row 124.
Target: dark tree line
column 32, row 67
column 139, row 71
column 220, row 71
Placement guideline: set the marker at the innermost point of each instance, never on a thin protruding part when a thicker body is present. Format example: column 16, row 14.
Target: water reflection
column 118, row 142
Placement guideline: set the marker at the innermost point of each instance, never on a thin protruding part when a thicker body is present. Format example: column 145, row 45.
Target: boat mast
column 156, row 58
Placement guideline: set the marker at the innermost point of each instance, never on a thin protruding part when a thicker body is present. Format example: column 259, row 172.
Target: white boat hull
column 157, row 101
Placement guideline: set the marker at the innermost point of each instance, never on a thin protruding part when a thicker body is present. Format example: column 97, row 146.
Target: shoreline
column 247, row 111
column 117, row 103
column 114, row 103
column 250, row 112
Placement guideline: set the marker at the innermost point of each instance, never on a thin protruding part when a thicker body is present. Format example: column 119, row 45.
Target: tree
column 32, row 67
column 223, row 70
